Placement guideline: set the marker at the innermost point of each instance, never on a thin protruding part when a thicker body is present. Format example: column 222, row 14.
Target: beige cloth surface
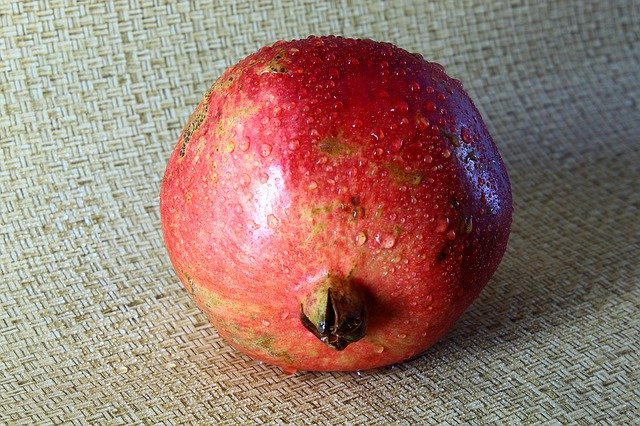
column 94, row 325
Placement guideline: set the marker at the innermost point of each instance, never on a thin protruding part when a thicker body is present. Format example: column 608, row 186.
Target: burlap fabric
column 95, row 327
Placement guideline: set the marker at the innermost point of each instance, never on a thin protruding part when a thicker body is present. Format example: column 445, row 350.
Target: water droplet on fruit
column 245, row 179
column 378, row 349
column 238, row 208
column 414, row 86
column 334, row 73
column 265, row 150
column 252, row 225
column 272, row 221
column 402, row 335
column 464, row 135
column 429, row 89
column 388, row 242
column 430, row 106
column 361, row 238
column 428, row 299
column 401, row 107
column 313, row 184
column 245, row 144
column 266, row 323
column 446, row 153
column 451, row 235
column 284, row 315
column 264, row 178
column 440, row 97
column 352, row 61
column 442, row 225
column 294, row 144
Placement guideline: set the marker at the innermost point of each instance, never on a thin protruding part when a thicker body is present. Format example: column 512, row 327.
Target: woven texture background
column 94, row 325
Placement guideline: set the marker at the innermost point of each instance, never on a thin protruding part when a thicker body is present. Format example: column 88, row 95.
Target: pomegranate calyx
column 334, row 311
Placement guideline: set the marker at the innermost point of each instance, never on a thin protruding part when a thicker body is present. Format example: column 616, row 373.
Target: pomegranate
column 335, row 204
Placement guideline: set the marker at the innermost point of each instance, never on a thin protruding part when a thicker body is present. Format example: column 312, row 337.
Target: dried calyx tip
column 334, row 311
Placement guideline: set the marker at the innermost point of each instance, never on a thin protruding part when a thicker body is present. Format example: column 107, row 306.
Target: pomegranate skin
column 334, row 157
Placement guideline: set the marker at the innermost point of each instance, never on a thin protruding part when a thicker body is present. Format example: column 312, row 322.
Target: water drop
column 245, row 179
column 430, row 106
column 264, row 178
column 352, row 61
column 464, row 135
column 414, row 86
column 388, row 242
column 284, row 315
column 429, row 89
column 266, row 323
column 265, row 150
column 272, row 221
column 402, row 335
column 378, row 349
column 252, row 225
column 238, row 208
column 245, row 144
column 313, row 184
column 401, row 107
column 334, row 73
column 451, row 235
column 446, row 153
column 294, row 144
column 442, row 225
column 440, row 97
column 428, row 299
column 361, row 238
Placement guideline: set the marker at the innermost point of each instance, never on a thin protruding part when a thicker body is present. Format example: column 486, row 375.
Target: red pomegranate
column 335, row 204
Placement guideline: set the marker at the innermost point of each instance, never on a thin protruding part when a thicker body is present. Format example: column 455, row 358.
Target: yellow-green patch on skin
column 275, row 64
column 336, row 147
column 195, row 121
column 226, row 123
column 224, row 82
column 401, row 176
column 454, row 139
column 207, row 297
column 317, row 229
column 319, row 209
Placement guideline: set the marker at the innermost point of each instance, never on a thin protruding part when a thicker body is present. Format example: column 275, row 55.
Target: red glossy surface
column 335, row 155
